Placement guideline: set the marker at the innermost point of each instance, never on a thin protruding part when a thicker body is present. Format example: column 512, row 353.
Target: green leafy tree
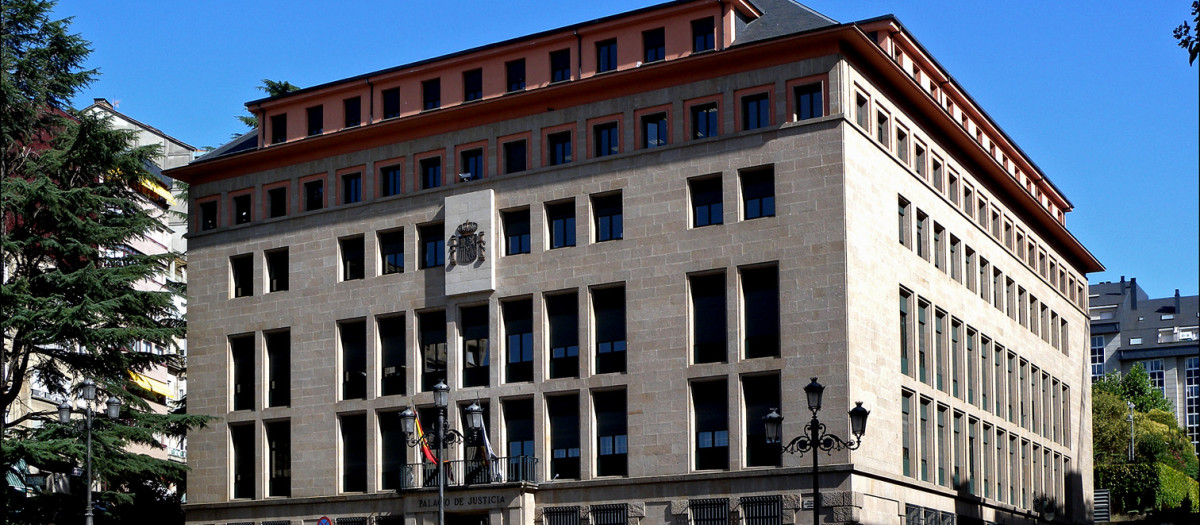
column 1189, row 35
column 1134, row 386
column 273, row 88
column 1157, row 435
column 70, row 304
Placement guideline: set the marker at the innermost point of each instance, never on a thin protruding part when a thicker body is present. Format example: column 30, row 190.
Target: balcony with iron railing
column 463, row 473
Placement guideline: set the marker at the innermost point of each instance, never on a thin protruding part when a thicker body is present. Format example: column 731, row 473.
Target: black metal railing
column 467, row 472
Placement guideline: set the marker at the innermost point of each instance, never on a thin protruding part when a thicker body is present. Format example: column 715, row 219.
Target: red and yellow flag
column 424, row 442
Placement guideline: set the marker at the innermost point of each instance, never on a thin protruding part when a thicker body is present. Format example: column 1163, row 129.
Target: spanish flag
column 424, row 442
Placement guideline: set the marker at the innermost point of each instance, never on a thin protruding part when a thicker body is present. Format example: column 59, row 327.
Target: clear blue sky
column 1097, row 93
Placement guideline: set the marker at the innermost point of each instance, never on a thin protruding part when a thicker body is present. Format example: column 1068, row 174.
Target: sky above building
column 1097, row 93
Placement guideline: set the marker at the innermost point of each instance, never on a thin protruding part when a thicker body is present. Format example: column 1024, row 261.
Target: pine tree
column 273, row 88
column 72, row 302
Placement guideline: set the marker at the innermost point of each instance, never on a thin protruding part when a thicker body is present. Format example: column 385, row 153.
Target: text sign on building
column 470, row 232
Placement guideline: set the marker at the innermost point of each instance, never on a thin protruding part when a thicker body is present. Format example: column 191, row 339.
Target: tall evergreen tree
column 73, row 300
column 273, row 88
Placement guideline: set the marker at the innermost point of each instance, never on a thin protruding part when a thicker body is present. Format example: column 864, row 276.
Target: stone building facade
column 628, row 240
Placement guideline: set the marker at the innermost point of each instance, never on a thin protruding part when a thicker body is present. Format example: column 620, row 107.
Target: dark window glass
column 707, row 208
column 279, row 128
column 352, row 109
column 431, row 172
column 354, row 453
column 354, row 359
column 515, row 74
column 471, row 167
column 654, row 130
column 244, row 458
column 314, row 195
column 277, row 270
column 392, row 355
column 606, row 55
column 241, row 351
column 708, row 318
column 611, row 514
column 654, row 43
column 704, row 121
column 208, row 215
column 351, row 188
column 241, row 209
column 762, row 510
column 316, row 120
column 514, row 156
column 709, row 511
column 761, row 394
column 431, row 93
column 241, row 268
column 516, row 232
column 279, row 459
column 808, row 101
column 559, row 145
column 608, row 308
column 472, row 85
column 860, row 111
column 391, row 103
column 352, row 259
column 563, row 413
column 609, row 223
column 561, row 219
column 518, row 340
column 394, row 451
column 758, row 193
column 390, row 181
column 391, row 251
column 756, row 111
column 277, row 202
column 760, row 295
column 560, row 65
column 563, row 311
column 612, row 435
column 433, row 246
column 607, row 138
column 518, row 421
column 475, row 355
column 702, row 35
column 710, row 400
column 433, row 349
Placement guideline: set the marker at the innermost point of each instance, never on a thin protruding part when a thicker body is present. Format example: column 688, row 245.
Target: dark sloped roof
column 246, row 142
column 781, row 17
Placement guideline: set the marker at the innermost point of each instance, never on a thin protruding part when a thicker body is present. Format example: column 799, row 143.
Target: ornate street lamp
column 815, row 437
column 87, row 390
column 442, row 435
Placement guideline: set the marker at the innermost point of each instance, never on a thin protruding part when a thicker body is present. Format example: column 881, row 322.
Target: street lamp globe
column 441, row 394
column 814, row 390
column 774, row 427
column 858, row 419
column 64, row 412
column 408, row 421
column 474, row 416
column 88, row 390
column 114, row 407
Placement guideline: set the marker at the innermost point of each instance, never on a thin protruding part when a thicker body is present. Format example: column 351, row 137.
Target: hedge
column 1142, row 487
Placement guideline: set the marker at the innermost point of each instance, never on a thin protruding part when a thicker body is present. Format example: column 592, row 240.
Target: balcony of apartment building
column 464, row 473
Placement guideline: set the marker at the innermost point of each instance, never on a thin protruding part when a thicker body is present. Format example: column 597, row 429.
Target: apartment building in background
column 628, row 240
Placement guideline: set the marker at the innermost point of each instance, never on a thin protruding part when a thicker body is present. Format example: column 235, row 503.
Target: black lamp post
column 87, row 391
column 442, row 436
column 815, row 437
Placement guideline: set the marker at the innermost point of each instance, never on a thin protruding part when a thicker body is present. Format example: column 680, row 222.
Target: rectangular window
column 473, row 321
column 516, row 231
column 560, row 65
column 277, row 202
column 654, row 130
column 433, row 348
column 279, row 128
column 761, row 393
column 314, row 195
column 279, row 368
column 244, row 458
column 861, row 112
column 939, row 175
column 606, row 55
column 919, row 160
column 279, row 459
column 808, row 101
column 923, row 341
column 391, row 102
column 710, row 411
column 707, row 208
column 608, row 310
column 612, row 434
column 241, row 209
column 940, row 353
column 702, row 35
column 560, row 219
column 391, row 252
column 953, row 187
column 943, row 447
column 470, row 165
column 606, row 139
column 614, row 514
column 563, row 413
column 563, row 312
column 654, row 45
column 351, row 188
column 352, row 258
column 518, row 340
column 939, row 247
column 921, row 240
column 241, row 270
column 518, row 424
column 354, row 359
column 472, row 85
column 277, row 270
column 514, row 74
column 431, row 172
column 883, row 129
column 709, row 332
column 923, row 432
column 904, row 333
column 1154, row 368
column 709, row 511
column 762, row 510
column 705, row 122
column 760, row 300
column 354, row 452
column 758, row 192
column 559, row 146
column 607, row 211
column 351, row 112
column 956, row 359
column 902, row 217
column 514, row 156
column 756, row 111
column 393, row 452
column 316, row 120
column 955, row 259
column 241, row 356
column 902, row 146
column 392, row 355
column 431, row 93
column 906, row 456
